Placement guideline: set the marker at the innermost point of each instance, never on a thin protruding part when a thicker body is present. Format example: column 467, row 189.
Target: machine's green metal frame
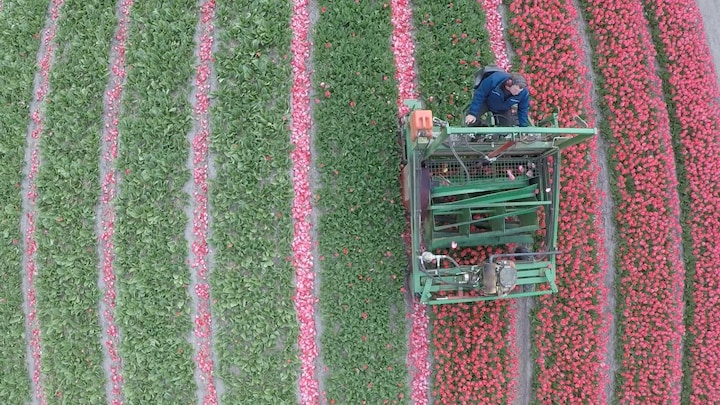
column 543, row 146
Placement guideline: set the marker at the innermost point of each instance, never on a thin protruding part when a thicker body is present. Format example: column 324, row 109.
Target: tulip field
column 201, row 205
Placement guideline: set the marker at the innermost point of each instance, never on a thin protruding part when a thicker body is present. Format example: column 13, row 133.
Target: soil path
column 197, row 232
column 610, row 364
column 105, row 226
column 710, row 10
column 41, row 88
column 314, row 184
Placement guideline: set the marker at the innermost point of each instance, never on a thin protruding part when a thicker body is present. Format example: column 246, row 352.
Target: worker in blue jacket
column 498, row 93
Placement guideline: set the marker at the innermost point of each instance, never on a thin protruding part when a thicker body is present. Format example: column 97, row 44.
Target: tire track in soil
column 610, row 366
column 106, row 213
column 197, row 231
column 41, row 88
column 304, row 218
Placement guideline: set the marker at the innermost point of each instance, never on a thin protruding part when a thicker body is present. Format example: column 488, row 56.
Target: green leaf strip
column 19, row 47
column 46, row 56
column 153, row 305
column 254, row 320
column 361, row 220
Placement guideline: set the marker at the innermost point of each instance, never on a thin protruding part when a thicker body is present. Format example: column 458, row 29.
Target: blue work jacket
column 492, row 92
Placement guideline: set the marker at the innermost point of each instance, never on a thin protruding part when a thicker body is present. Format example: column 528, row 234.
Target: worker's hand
column 469, row 119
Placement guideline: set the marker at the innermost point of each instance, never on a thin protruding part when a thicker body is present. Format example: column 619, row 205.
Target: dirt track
column 710, row 10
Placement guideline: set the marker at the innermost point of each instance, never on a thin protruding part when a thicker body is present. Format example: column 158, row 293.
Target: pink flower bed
column 650, row 269
column 403, row 49
column 691, row 76
column 304, row 298
column 37, row 119
column 494, row 27
column 199, row 247
column 113, row 99
column 571, row 333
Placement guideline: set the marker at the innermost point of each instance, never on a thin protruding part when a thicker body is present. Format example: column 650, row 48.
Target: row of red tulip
column 474, row 347
column 109, row 140
column 30, row 194
column 474, row 344
column 572, row 327
column 304, row 297
column 199, row 253
column 647, row 209
column 687, row 60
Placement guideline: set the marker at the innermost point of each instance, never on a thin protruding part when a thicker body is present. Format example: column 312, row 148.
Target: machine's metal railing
column 466, row 186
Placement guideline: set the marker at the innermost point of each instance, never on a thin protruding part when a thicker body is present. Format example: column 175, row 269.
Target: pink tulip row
column 691, row 76
column 113, row 99
column 648, row 255
column 571, row 333
column 305, row 299
column 199, row 251
column 37, row 118
column 494, row 27
column 403, row 49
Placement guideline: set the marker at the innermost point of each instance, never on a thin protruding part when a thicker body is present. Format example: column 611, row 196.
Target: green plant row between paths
column 250, row 197
column 19, row 21
column 362, row 255
column 153, row 306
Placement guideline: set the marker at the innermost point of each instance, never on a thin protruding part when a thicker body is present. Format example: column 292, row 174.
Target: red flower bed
column 474, row 347
column 651, row 273
column 571, row 331
column 687, row 59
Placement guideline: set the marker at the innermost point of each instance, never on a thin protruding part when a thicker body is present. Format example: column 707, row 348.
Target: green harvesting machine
column 482, row 187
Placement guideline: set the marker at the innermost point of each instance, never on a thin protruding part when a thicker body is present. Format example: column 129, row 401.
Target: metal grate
column 450, row 172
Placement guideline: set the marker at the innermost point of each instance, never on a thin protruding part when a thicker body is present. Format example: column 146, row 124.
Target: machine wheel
column 401, row 141
column 522, row 249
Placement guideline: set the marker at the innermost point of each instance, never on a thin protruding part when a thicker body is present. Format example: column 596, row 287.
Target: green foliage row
column 363, row 343
column 153, row 305
column 68, row 186
column 19, row 21
column 451, row 42
column 250, row 198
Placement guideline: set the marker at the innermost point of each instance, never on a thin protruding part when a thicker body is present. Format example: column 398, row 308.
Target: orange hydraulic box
column 420, row 120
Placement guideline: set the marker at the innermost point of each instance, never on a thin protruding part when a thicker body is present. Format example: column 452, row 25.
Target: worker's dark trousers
column 502, row 118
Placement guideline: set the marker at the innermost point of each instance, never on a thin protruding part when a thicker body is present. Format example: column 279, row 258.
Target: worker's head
column 515, row 84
